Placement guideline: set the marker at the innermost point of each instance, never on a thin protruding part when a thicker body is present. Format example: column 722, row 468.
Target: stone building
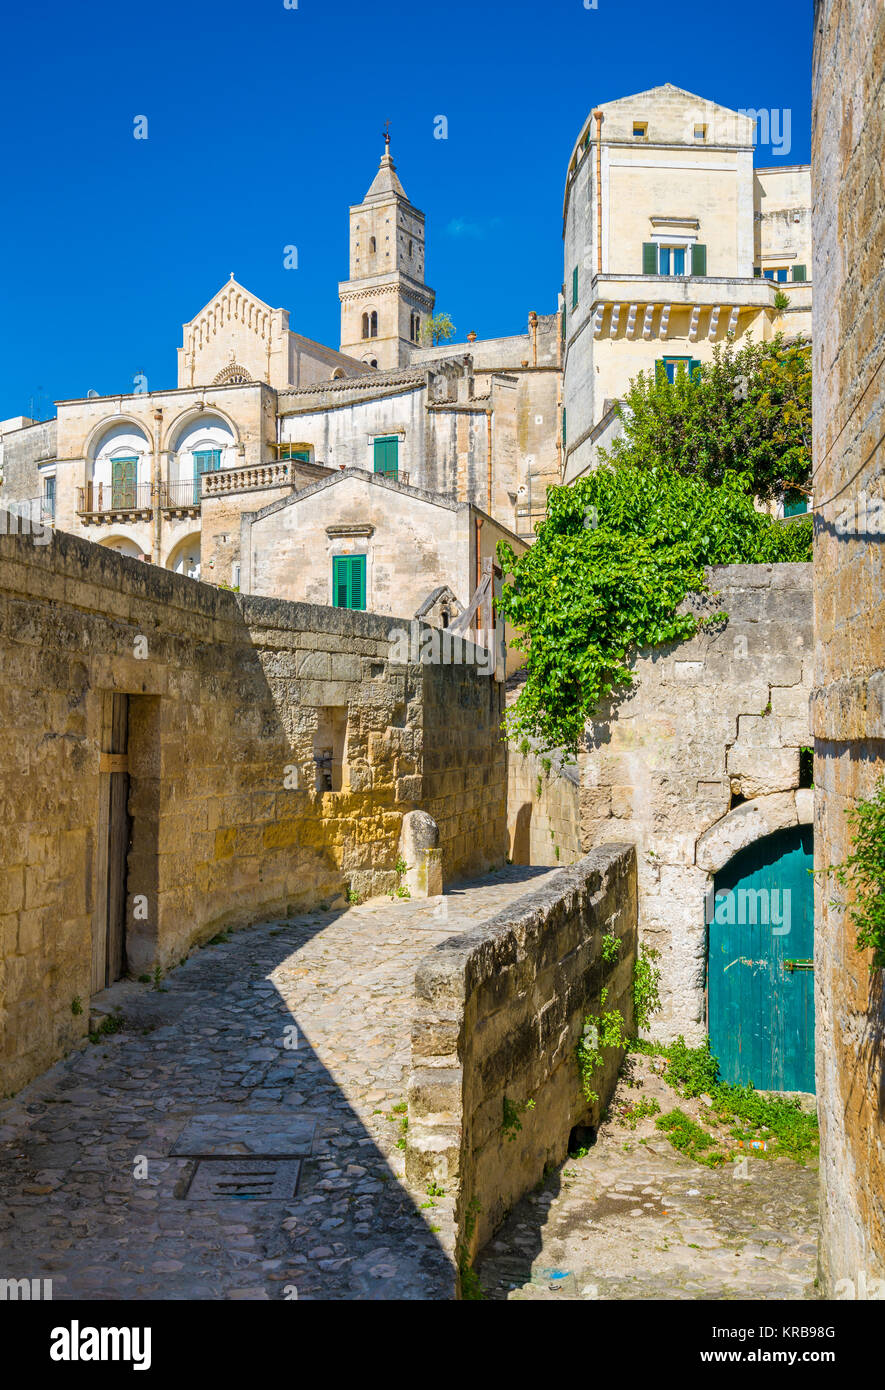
column 672, row 242
column 290, row 547
column 180, row 759
column 260, row 411
column 848, row 710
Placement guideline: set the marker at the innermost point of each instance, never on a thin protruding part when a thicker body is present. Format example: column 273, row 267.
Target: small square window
column 700, row 132
column 640, row 130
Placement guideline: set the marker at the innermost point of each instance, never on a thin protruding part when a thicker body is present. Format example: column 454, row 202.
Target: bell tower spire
column 386, row 302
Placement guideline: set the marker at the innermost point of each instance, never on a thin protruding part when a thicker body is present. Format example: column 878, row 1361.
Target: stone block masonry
column 271, row 751
column 543, row 807
column 700, row 756
column 494, row 1090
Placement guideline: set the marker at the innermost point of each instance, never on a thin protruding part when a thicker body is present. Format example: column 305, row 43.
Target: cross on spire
column 387, row 137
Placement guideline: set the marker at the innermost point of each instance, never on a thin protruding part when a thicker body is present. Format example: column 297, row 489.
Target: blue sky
column 265, row 124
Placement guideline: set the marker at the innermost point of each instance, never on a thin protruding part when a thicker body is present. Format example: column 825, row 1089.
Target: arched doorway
column 760, row 980
column 124, row 545
column 185, row 557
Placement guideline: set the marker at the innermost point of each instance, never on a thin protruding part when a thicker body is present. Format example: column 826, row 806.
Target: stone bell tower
column 385, row 303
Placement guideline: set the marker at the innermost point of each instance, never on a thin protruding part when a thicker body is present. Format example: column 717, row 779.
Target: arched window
column 365, row 325
column 371, row 246
column 410, row 249
column 373, row 324
column 417, row 327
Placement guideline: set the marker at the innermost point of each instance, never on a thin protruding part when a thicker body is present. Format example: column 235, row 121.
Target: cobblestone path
column 634, row 1219
column 202, row 1073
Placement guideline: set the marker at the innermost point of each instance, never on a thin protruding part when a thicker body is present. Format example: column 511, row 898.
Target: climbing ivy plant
column 618, row 553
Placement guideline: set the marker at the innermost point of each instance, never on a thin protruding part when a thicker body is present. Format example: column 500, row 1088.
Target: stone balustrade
column 255, row 478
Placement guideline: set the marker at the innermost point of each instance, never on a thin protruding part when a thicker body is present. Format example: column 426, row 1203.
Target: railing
column 111, row 497
column 185, row 493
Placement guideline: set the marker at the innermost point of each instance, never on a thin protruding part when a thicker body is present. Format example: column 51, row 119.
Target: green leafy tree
column 749, row 410
column 437, row 329
column 610, row 567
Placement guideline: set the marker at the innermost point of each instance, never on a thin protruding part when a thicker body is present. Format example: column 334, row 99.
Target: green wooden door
column 205, row 461
column 123, row 481
column 760, row 951
column 349, row 581
column 387, row 455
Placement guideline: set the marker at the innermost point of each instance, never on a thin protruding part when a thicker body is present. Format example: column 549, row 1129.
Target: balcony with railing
column 182, row 498
column 108, row 501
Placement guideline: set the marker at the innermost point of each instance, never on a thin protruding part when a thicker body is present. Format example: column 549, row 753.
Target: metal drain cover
column 245, row 1179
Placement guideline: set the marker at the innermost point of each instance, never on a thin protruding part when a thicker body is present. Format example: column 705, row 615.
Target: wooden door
column 124, row 473
column 761, row 962
column 114, row 833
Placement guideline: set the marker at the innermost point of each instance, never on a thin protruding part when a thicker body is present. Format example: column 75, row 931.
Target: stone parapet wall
column 229, row 699
column 499, row 1012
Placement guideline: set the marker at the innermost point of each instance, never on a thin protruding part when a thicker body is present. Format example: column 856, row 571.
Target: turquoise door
column 760, row 978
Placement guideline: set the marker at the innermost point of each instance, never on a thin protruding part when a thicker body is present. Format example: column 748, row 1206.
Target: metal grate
column 245, row 1179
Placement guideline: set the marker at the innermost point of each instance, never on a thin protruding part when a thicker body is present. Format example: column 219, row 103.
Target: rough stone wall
column 725, row 714
column 465, row 766
column 848, row 708
column 230, row 698
column 21, row 452
column 543, row 809
column 499, row 1013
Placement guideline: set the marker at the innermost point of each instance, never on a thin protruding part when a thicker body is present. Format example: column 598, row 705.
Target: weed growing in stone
column 864, row 873
column 511, row 1124
column 111, row 1023
column 630, row 1115
column 787, row 1130
column 76, row 1005
column 471, row 1288
column 646, row 986
column 611, row 947
column 690, row 1139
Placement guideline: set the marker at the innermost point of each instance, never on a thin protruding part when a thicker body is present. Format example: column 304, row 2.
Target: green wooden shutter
column 349, row 581
column 205, row 461
column 698, row 259
column 575, row 288
column 387, row 456
column 649, row 258
column 798, row 272
column 123, row 482
column 694, row 367
column 339, row 581
column 358, row 581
